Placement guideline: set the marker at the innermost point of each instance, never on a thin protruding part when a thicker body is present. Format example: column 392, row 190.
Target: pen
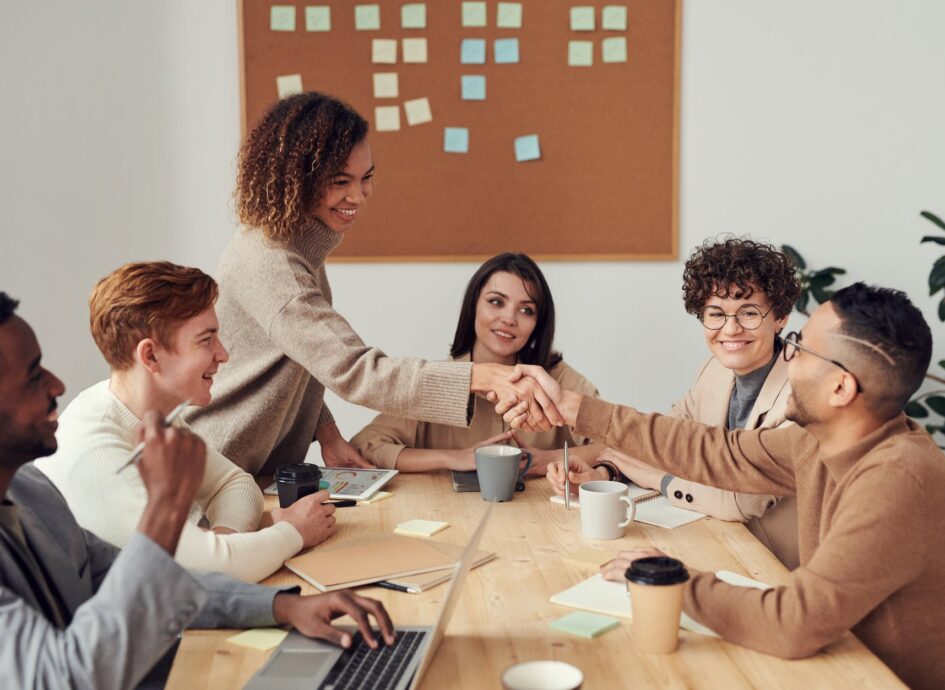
column 397, row 588
column 139, row 449
column 567, row 481
column 346, row 503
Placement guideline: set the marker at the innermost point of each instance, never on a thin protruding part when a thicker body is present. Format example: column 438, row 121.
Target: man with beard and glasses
column 869, row 484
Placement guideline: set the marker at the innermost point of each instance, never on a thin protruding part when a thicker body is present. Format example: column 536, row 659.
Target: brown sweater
column 287, row 344
column 871, row 524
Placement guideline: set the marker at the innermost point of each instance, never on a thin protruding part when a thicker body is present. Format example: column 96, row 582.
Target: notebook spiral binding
column 647, row 497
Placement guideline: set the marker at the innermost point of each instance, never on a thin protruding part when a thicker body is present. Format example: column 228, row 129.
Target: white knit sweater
column 96, row 436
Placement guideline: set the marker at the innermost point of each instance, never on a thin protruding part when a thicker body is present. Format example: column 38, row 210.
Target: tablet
column 351, row 482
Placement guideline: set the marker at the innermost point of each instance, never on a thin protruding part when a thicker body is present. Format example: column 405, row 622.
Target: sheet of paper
column 474, row 14
column 472, row 51
column 420, row 528
column 387, row 118
column 386, row 85
column 415, row 50
column 508, row 15
column 418, row 111
column 413, row 16
column 262, row 639
column 506, row 51
column 614, row 18
column 384, row 51
column 582, row 18
column 289, row 85
column 318, row 18
column 473, row 87
column 584, row 624
column 580, row 53
column 456, row 140
column 367, row 17
column 614, row 49
column 527, row 148
column 380, row 495
column 282, row 18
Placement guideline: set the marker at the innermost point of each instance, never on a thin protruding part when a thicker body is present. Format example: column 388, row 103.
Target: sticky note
column 506, row 51
column 527, row 148
column 384, row 51
column 580, row 53
column 380, row 495
column 418, row 111
column 413, row 16
column 420, row 528
column 282, row 18
column 289, row 85
column 586, row 556
column 415, row 50
column 473, row 87
column 386, row 85
column 582, row 18
column 367, row 17
column 262, row 639
column 456, row 140
column 474, row 14
column 613, row 18
column 508, row 15
column 318, row 18
column 387, row 118
column 472, row 51
column 584, row 624
column 614, row 49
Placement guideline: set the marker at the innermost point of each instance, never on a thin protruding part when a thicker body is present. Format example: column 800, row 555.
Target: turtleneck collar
column 315, row 241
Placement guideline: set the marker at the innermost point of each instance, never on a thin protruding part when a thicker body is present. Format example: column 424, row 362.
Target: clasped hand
column 525, row 395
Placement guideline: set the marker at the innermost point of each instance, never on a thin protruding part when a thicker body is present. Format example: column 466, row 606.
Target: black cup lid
column 657, row 570
column 297, row 473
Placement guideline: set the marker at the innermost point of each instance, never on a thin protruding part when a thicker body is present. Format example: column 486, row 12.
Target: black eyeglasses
column 792, row 343
column 748, row 317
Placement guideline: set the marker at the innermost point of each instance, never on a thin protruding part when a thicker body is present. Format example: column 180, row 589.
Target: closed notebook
column 425, row 581
column 368, row 559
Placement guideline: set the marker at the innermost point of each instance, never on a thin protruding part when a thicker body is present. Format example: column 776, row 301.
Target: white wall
column 812, row 123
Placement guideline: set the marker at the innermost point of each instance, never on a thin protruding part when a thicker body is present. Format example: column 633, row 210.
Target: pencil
column 567, row 480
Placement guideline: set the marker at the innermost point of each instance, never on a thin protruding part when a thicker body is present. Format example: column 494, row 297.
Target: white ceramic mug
column 603, row 513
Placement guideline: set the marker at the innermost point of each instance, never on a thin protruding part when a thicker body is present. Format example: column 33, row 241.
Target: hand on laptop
column 314, row 521
column 312, row 616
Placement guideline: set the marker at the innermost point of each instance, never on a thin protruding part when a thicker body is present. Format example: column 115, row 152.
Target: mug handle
column 528, row 463
column 631, row 511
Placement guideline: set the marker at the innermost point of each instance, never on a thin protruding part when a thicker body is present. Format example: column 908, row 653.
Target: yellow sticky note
column 614, row 18
column 474, row 14
column 418, row 111
column 582, row 18
column 380, row 495
column 421, row 528
column 262, row 639
column 282, row 18
column 508, row 15
column 367, row 17
column 580, row 53
column 387, row 118
column 384, row 51
column 614, row 49
column 413, row 16
column 415, row 50
column 586, row 556
column 289, row 85
column 386, row 85
column 318, row 18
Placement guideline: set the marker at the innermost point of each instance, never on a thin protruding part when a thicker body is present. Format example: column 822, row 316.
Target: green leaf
column 928, row 215
column 932, row 429
column 937, row 276
column 915, row 410
column 941, row 362
column 936, row 403
column 941, row 317
column 802, row 299
column 930, row 238
column 820, row 293
column 795, row 258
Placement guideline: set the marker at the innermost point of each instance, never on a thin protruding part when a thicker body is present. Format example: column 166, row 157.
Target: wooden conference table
column 504, row 611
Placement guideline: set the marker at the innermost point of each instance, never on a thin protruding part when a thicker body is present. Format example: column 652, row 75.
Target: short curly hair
column 289, row 158
column 736, row 267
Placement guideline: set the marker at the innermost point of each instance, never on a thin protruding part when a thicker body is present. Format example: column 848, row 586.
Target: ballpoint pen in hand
column 567, row 480
column 139, row 449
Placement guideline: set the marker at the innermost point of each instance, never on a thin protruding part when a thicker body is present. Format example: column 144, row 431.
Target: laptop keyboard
column 362, row 667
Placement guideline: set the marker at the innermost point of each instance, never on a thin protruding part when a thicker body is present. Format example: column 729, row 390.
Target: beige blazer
column 772, row 519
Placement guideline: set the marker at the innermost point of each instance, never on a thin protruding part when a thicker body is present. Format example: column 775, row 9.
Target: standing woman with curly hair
column 305, row 172
column 742, row 293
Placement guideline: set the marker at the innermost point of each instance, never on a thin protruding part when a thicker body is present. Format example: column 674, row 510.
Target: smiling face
column 348, row 190
column 506, row 316
column 185, row 369
column 28, row 418
column 738, row 348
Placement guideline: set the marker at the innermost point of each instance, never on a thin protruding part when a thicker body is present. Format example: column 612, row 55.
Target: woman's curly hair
column 736, row 267
column 289, row 158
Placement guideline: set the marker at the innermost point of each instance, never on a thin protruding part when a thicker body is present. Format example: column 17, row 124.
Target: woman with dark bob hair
column 742, row 293
column 507, row 317
column 304, row 174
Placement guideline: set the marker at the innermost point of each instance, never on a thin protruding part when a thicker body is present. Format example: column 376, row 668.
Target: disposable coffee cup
column 498, row 469
column 606, row 509
column 542, row 675
column 296, row 481
column 655, row 586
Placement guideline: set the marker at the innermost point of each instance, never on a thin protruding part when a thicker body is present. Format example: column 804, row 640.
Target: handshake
column 526, row 396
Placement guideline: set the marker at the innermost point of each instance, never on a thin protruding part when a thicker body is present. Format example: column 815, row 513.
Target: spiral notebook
column 652, row 508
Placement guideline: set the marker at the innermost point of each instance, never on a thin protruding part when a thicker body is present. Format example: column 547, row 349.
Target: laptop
column 300, row 662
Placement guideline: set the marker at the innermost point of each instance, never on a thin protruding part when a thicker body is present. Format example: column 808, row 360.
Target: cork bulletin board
column 561, row 141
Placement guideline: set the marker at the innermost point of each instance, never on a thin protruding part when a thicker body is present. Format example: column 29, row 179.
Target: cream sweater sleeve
column 229, row 496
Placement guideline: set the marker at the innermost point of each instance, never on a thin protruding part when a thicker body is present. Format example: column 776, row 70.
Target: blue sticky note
column 472, row 51
column 527, row 148
column 474, row 87
column 506, row 51
column 456, row 140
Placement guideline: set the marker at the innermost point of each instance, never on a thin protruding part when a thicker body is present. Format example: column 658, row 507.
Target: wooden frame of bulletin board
column 605, row 184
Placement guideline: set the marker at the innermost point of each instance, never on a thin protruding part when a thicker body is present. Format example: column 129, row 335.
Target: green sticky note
column 582, row 18
column 420, row 528
column 262, row 639
column 413, row 16
column 614, row 49
column 584, row 624
column 474, row 14
column 367, row 17
column 282, row 18
column 508, row 15
column 614, row 18
column 318, row 18
column 580, row 53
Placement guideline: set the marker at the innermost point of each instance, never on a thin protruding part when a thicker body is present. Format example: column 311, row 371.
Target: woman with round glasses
column 742, row 292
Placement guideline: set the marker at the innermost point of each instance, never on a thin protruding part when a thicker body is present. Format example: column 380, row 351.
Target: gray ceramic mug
column 498, row 468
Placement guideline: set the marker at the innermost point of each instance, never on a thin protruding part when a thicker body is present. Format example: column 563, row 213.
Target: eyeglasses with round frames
column 792, row 343
column 748, row 317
